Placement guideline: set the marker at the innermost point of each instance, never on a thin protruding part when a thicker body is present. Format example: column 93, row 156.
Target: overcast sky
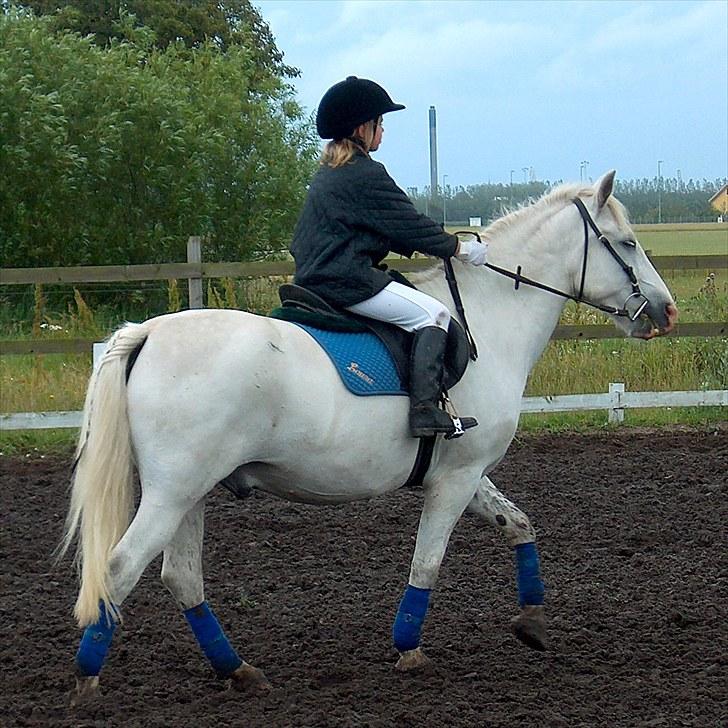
column 541, row 85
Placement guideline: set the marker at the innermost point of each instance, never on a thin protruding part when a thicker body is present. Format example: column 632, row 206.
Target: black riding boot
column 427, row 361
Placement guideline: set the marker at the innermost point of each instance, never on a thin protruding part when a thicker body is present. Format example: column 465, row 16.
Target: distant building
column 719, row 201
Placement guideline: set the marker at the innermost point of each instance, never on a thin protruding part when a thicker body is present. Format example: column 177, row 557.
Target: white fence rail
column 616, row 401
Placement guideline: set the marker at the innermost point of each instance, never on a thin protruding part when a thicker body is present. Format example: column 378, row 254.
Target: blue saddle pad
column 363, row 362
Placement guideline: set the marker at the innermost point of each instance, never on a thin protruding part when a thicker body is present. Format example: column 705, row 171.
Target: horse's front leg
column 182, row 575
column 493, row 507
column 445, row 501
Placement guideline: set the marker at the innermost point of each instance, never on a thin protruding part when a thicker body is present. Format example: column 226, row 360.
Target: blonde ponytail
column 339, row 152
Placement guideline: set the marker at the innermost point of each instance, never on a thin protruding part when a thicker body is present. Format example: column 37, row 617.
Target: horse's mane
column 556, row 198
column 535, row 211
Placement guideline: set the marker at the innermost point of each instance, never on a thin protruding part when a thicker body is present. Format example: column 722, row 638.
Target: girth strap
column 422, row 462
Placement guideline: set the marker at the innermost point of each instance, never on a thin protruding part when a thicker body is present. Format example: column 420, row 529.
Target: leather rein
column 641, row 301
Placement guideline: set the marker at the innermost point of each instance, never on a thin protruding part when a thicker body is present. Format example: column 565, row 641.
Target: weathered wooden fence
column 616, row 401
column 195, row 271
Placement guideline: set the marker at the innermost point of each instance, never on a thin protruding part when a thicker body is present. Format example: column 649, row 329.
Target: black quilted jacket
column 353, row 217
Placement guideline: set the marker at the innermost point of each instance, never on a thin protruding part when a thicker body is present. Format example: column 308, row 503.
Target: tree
column 190, row 22
column 116, row 155
column 679, row 201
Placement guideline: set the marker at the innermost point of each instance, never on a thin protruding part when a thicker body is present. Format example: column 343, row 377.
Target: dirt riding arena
column 632, row 529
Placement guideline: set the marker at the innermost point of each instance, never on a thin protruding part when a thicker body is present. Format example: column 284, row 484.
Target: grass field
column 679, row 239
column 57, row 382
column 684, row 241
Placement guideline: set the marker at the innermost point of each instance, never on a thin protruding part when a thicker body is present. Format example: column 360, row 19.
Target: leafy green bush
column 116, row 155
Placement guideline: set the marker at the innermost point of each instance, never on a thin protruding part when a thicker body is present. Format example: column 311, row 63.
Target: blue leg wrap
column 530, row 586
column 410, row 617
column 212, row 639
column 95, row 644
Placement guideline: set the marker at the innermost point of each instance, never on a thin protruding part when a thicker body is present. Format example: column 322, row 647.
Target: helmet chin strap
column 359, row 142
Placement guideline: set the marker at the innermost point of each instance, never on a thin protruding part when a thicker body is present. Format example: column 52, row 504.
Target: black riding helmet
column 350, row 103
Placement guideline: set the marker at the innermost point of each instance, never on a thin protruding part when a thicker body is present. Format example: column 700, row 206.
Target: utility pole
column 444, row 201
column 659, row 190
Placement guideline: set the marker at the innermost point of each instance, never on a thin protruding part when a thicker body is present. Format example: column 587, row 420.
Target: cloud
column 408, row 54
column 638, row 43
column 543, row 84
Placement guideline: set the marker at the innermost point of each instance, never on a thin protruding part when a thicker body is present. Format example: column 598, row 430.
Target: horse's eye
column 629, row 243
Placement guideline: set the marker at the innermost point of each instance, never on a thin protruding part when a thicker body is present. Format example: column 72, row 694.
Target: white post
column 99, row 348
column 194, row 255
column 616, row 410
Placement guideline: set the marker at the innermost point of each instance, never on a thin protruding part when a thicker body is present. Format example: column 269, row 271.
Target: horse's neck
column 512, row 326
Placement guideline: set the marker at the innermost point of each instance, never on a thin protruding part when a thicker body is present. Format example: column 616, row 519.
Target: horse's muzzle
column 658, row 322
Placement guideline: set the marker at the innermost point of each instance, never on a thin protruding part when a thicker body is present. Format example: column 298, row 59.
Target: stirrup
column 461, row 424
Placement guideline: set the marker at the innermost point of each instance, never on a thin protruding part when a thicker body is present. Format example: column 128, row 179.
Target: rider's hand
column 471, row 251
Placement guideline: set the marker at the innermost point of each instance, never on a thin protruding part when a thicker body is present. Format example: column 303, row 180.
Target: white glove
column 473, row 252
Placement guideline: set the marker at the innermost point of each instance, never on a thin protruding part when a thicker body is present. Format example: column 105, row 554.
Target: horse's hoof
column 412, row 660
column 249, row 679
column 530, row 627
column 86, row 691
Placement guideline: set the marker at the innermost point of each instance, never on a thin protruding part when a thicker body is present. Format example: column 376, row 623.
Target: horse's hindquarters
column 214, row 390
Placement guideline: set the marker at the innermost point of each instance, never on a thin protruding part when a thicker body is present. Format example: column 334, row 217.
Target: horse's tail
column 102, row 490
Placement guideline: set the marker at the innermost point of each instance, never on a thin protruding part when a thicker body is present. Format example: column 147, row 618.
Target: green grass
column 685, row 242
column 597, row 420
column 38, row 443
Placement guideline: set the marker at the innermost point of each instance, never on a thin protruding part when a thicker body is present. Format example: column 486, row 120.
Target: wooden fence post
column 194, row 255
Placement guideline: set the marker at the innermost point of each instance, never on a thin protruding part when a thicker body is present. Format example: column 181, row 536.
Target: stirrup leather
column 461, row 424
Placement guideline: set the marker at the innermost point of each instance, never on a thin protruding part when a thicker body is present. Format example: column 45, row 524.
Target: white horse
column 216, row 391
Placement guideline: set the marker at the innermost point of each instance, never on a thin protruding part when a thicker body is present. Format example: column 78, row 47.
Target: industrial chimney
column 433, row 152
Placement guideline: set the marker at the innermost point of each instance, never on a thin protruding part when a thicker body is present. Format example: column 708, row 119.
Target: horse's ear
column 605, row 185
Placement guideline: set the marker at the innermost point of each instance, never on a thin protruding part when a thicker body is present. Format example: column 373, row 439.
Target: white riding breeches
column 405, row 307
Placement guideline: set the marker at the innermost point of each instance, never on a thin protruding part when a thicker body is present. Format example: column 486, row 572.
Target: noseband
column 634, row 305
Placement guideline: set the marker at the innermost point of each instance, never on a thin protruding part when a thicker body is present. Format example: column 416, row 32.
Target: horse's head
column 617, row 273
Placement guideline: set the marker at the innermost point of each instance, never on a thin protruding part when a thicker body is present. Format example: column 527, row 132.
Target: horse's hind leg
column 151, row 529
column 491, row 505
column 182, row 575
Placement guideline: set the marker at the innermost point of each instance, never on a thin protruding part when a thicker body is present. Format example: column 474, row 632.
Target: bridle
column 633, row 307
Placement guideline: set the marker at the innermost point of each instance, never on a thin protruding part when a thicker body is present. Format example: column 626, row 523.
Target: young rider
column 353, row 217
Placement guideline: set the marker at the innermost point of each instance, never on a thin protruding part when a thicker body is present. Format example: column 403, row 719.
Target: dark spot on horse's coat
column 500, row 520
column 274, row 347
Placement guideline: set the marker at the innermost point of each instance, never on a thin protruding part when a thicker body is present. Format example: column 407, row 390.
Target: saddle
column 304, row 308
column 301, row 306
